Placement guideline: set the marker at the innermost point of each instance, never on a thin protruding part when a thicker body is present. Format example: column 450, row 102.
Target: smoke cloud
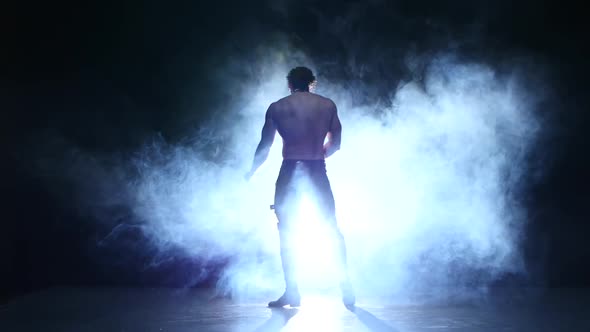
column 426, row 184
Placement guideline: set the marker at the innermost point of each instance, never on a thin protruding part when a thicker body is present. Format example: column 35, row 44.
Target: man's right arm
column 334, row 133
column 267, row 137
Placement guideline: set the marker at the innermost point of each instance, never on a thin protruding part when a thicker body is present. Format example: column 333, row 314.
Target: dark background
column 105, row 77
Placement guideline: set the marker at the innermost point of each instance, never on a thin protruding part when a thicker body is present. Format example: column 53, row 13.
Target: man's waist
column 304, row 164
column 304, row 161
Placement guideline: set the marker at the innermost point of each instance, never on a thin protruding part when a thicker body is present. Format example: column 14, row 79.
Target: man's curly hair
column 301, row 78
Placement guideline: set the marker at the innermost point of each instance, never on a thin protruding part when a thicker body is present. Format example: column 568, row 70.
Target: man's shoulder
column 310, row 95
column 280, row 101
column 325, row 100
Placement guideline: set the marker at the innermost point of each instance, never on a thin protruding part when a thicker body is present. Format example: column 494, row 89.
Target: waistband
column 304, row 162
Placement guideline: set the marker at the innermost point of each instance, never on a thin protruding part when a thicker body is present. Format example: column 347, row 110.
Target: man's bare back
column 303, row 120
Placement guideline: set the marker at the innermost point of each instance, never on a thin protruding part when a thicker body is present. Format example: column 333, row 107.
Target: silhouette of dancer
column 303, row 120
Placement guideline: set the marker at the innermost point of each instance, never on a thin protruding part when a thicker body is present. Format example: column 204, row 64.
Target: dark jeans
column 292, row 173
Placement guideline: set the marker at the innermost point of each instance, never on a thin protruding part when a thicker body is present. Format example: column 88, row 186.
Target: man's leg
column 291, row 295
column 345, row 285
column 283, row 197
column 327, row 209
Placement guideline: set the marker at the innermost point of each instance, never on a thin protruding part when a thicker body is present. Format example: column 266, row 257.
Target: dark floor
column 78, row 309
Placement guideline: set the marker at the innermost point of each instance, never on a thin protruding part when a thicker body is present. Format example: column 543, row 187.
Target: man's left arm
column 267, row 137
column 334, row 133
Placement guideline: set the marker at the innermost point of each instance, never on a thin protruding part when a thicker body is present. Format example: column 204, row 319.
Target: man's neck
column 298, row 90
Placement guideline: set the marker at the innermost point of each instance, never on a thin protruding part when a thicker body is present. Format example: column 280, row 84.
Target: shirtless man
column 303, row 120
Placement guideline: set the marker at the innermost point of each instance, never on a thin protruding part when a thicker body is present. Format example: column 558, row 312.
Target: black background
column 104, row 77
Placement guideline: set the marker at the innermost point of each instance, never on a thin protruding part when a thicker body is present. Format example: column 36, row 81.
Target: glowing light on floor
column 318, row 313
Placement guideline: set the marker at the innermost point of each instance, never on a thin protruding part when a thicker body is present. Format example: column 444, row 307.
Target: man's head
column 300, row 79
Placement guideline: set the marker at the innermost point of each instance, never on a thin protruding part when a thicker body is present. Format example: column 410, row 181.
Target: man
column 303, row 120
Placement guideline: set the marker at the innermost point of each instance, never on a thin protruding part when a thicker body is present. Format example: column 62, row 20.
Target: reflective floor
column 75, row 309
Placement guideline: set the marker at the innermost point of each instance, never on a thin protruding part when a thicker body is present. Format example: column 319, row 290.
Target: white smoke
column 425, row 186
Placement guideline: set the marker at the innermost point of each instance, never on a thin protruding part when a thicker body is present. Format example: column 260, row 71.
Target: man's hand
column 330, row 148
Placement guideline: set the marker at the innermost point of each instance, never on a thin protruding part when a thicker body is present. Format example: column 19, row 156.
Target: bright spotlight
column 314, row 254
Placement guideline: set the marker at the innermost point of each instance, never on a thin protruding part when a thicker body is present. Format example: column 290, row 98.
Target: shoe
column 292, row 299
column 348, row 297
